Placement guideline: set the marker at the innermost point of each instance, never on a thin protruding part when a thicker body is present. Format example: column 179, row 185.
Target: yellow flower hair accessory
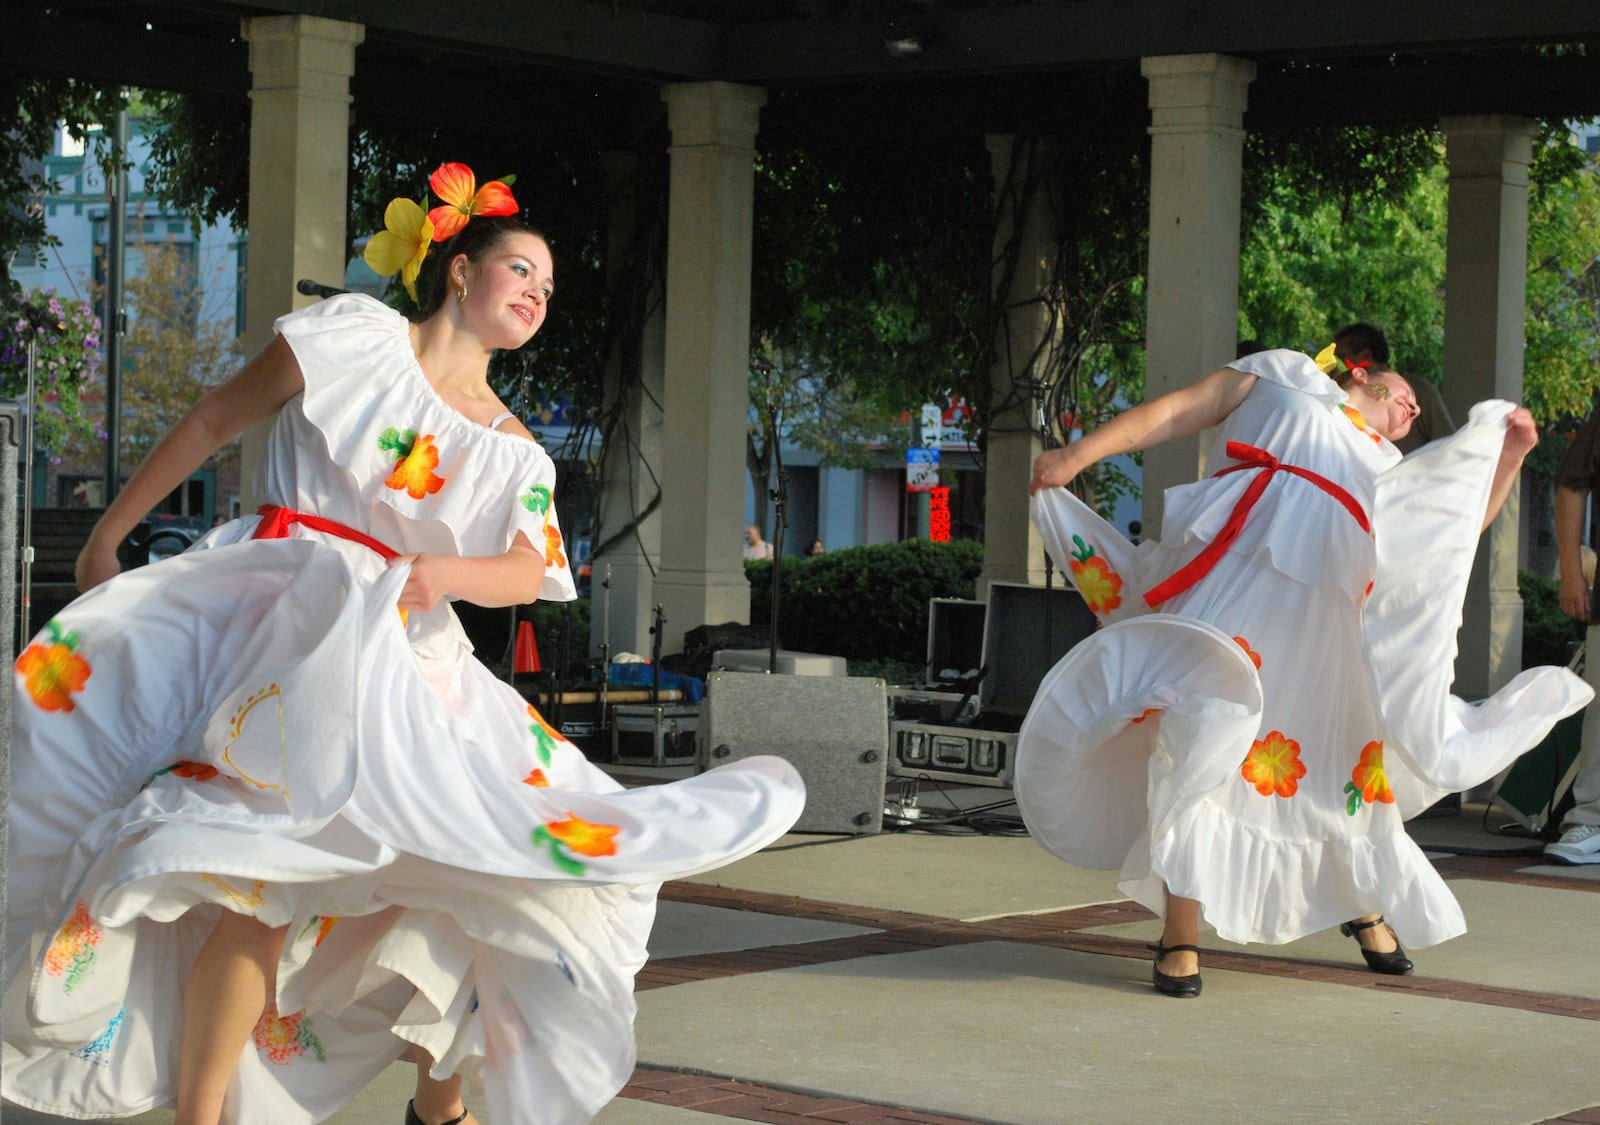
column 411, row 228
column 402, row 244
column 1332, row 365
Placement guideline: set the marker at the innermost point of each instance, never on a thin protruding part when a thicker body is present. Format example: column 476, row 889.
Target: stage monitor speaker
column 955, row 642
column 1026, row 630
column 833, row 729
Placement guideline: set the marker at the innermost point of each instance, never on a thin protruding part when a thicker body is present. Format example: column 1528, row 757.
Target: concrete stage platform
column 915, row 977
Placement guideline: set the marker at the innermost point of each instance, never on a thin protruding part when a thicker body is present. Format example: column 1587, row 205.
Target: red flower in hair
column 462, row 199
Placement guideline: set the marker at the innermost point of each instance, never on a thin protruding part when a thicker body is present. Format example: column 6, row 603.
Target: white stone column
column 634, row 471
column 706, row 391
column 1012, row 550
column 1486, row 285
column 300, row 68
column 1197, row 105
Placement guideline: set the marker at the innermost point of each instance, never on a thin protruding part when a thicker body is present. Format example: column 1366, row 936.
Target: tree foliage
column 33, row 108
column 1341, row 225
column 1561, row 364
column 65, row 338
column 173, row 354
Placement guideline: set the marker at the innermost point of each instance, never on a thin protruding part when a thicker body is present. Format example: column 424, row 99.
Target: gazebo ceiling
column 591, row 69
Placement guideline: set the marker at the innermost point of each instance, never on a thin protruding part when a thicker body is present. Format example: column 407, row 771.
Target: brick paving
column 902, row 932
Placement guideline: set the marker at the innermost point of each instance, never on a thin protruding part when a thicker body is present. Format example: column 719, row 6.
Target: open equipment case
column 985, row 663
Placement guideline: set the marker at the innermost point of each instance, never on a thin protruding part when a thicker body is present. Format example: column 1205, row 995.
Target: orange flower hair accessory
column 458, row 188
column 411, row 227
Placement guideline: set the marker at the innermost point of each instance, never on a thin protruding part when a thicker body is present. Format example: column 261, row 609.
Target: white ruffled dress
column 1257, row 741
column 253, row 727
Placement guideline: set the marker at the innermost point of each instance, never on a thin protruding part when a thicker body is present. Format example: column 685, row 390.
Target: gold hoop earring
column 461, row 295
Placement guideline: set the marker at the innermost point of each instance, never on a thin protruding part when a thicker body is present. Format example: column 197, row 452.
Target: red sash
column 1264, row 465
column 275, row 523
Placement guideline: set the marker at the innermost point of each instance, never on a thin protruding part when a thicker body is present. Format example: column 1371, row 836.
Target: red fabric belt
column 275, row 523
column 1264, row 465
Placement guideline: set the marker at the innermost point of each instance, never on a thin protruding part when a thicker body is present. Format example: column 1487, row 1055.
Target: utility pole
column 114, row 318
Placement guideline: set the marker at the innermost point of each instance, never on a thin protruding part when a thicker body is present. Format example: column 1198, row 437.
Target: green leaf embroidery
column 537, row 500
column 397, row 443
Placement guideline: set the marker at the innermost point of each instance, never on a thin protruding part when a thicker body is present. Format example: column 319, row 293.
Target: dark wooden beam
column 48, row 44
column 1422, row 91
column 1069, row 34
column 569, row 35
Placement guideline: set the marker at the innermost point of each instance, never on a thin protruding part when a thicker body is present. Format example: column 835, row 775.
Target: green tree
column 173, row 354
column 33, row 108
column 1561, row 363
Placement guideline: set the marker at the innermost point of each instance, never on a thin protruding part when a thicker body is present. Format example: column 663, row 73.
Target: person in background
column 815, row 549
column 1575, row 490
column 755, row 547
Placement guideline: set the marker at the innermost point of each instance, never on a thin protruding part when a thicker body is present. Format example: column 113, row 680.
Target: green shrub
column 1548, row 635
column 865, row 603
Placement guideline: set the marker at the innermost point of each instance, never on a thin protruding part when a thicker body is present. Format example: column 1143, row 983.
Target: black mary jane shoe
column 1394, row 963
column 413, row 1119
column 1181, row 987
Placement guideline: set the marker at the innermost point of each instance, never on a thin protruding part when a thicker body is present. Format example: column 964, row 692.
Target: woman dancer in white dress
column 273, row 827
column 1270, row 695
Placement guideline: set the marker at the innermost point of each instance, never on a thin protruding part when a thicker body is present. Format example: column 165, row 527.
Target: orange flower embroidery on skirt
column 552, row 546
column 323, row 925
column 417, row 458
column 1369, row 782
column 1255, row 657
column 1148, row 711
column 575, row 835
column 72, row 953
column 1100, row 585
column 537, row 779
column 194, row 771
column 286, row 1038
column 1273, row 765
column 52, row 672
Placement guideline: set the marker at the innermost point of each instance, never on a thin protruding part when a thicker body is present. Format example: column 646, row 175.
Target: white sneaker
column 1577, row 845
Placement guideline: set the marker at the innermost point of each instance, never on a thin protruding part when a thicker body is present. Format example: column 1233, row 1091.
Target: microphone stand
column 36, row 319
column 25, row 602
column 604, row 723
column 780, row 521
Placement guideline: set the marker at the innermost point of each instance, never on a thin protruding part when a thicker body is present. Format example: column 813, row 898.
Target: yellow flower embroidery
column 51, row 672
column 1273, row 765
column 1100, row 585
column 552, row 547
column 72, row 953
column 1354, row 415
column 414, row 471
column 286, row 1038
column 576, row 835
column 1369, row 782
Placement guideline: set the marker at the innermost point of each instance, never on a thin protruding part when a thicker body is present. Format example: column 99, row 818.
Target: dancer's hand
column 1053, row 469
column 1522, row 433
column 425, row 585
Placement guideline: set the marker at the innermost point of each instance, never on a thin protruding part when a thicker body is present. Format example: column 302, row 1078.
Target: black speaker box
column 833, row 729
column 1026, row 630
